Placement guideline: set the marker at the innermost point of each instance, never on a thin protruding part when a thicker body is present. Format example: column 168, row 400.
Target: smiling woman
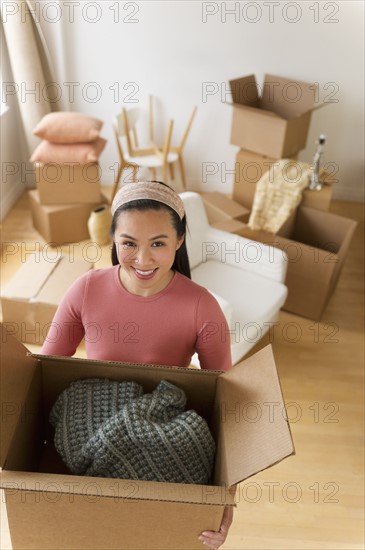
column 144, row 309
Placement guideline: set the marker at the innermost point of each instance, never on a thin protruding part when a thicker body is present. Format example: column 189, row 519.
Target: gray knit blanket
column 111, row 429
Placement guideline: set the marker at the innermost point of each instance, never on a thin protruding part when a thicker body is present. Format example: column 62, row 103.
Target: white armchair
column 246, row 277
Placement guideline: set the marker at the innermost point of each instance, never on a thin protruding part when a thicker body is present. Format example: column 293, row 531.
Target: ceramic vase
column 99, row 225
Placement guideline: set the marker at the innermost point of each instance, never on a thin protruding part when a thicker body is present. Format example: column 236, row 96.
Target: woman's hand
column 214, row 539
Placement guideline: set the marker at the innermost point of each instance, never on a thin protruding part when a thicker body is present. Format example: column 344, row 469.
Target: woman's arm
column 67, row 330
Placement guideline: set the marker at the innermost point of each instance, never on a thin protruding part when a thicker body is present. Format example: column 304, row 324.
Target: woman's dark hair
column 181, row 261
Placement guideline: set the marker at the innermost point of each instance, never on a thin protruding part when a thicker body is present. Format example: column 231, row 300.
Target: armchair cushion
column 255, row 302
column 252, row 256
column 235, row 286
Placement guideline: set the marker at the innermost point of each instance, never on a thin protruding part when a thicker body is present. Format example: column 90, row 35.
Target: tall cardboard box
column 249, row 168
column 30, row 299
column 316, row 245
column 49, row 509
column 61, row 223
column 68, row 183
column 274, row 121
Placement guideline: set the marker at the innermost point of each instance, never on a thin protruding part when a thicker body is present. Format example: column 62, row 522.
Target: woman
column 145, row 309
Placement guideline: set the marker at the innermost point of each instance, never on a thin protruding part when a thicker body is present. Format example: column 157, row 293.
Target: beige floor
column 313, row 500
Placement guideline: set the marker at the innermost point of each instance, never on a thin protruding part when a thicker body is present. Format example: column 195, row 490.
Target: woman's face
column 146, row 244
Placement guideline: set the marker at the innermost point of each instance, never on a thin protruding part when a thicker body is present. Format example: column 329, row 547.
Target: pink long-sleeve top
column 166, row 328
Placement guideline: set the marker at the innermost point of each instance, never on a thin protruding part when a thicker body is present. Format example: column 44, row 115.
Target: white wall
column 170, row 52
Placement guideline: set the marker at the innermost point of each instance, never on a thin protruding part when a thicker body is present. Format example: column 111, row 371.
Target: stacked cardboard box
column 65, row 196
column 249, row 168
column 269, row 126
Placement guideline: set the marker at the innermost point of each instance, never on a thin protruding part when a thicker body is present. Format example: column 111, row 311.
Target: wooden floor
column 313, row 500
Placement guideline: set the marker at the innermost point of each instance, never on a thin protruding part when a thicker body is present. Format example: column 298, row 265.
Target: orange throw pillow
column 66, row 127
column 82, row 153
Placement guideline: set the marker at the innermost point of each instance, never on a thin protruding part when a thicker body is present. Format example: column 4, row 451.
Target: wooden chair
column 178, row 150
column 135, row 157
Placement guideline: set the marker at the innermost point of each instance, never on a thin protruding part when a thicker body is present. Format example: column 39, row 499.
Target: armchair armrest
column 253, row 256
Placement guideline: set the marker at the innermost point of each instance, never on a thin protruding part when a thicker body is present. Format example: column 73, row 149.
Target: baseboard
column 9, row 199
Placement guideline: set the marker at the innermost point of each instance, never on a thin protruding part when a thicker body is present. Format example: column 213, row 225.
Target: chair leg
column 134, row 172
column 164, row 173
column 182, row 171
column 171, row 169
column 154, row 173
column 116, row 181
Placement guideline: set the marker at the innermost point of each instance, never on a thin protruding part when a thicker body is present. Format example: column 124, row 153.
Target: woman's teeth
column 144, row 272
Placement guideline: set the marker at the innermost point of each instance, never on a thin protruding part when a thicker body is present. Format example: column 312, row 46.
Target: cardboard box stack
column 269, row 126
column 67, row 176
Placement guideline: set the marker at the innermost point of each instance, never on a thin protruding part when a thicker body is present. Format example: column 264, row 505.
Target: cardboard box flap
column 256, row 432
column 323, row 230
column 119, row 488
column 223, row 204
column 258, row 112
column 287, row 97
column 30, row 278
column 68, row 270
column 17, row 369
column 244, row 91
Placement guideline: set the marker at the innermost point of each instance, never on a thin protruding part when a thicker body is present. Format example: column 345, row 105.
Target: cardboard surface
column 316, row 245
column 231, row 226
column 68, row 184
column 14, row 387
column 251, row 434
column 224, row 213
column 49, row 509
column 251, row 166
column 221, row 208
column 273, row 123
column 30, row 299
column 60, row 224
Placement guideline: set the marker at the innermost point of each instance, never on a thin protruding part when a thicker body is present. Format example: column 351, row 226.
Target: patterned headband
column 148, row 190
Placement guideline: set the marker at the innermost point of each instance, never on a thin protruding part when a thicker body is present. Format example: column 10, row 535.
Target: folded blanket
column 278, row 193
column 111, row 429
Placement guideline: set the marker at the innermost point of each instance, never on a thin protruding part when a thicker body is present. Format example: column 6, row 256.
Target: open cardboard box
column 250, row 167
column 30, row 299
column 50, row 509
column 62, row 223
column 68, row 183
column 316, row 245
column 274, row 123
column 224, row 213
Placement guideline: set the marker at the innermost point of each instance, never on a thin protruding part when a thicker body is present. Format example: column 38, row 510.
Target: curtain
column 30, row 63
